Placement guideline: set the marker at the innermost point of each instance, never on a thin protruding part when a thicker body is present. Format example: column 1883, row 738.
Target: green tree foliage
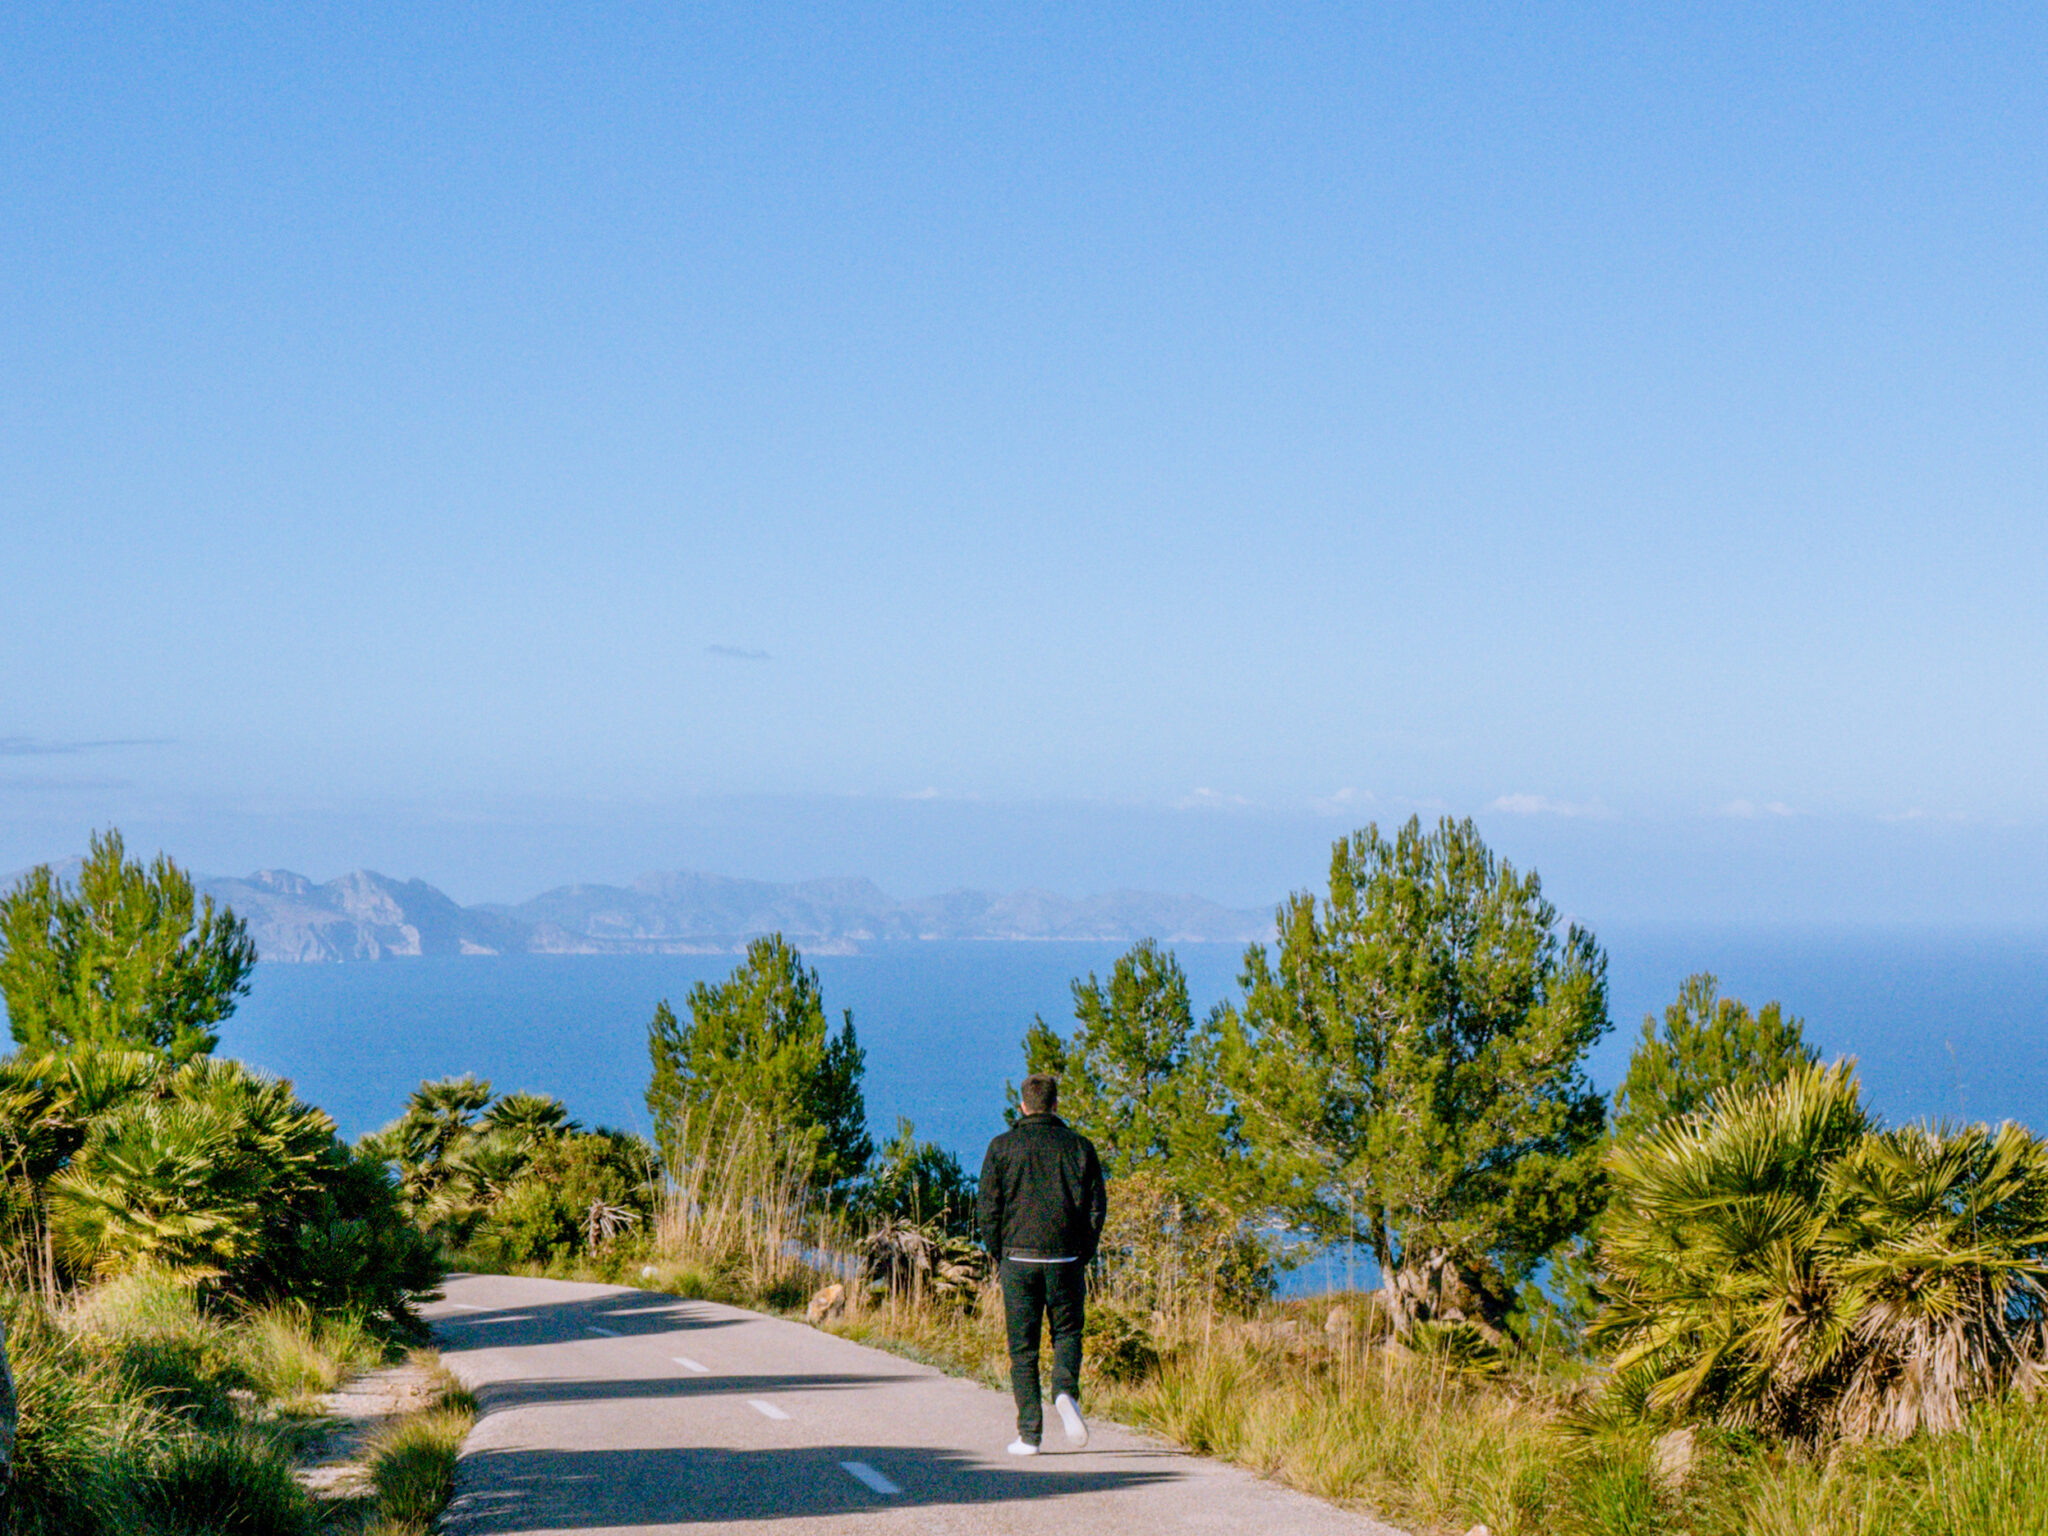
column 1780, row 1263
column 529, row 1119
column 428, row 1143
column 918, row 1182
column 495, row 1183
column 759, row 1041
column 1139, row 1077
column 578, row 1192
column 1710, row 1045
column 129, row 959
column 1408, row 1063
column 205, row 1171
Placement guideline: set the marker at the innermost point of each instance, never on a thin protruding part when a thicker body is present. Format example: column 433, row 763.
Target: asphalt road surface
column 613, row 1410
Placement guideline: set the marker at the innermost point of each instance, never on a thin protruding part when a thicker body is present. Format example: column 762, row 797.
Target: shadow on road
column 494, row 1395
column 533, row 1490
column 625, row 1315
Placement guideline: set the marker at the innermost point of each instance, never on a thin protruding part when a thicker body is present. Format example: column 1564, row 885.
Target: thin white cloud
column 1750, row 810
column 1208, row 800
column 1543, row 805
column 1344, row 801
column 40, row 785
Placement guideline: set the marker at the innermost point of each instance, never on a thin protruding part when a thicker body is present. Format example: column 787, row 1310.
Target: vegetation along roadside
column 191, row 1257
column 1730, row 1299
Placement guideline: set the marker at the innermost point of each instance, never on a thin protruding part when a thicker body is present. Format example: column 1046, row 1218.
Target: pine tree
column 1710, row 1046
column 129, row 959
column 1409, row 1061
column 1138, row 1076
column 759, row 1043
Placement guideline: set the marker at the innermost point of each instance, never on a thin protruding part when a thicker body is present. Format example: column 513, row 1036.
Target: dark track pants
column 1031, row 1293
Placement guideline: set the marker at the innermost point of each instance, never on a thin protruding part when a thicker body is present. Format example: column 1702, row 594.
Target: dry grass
column 736, row 1216
column 1438, row 1448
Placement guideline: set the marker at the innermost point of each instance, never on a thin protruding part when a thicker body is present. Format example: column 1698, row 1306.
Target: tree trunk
column 1437, row 1287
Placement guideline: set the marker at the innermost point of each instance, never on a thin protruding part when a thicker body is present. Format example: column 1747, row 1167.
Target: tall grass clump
column 150, row 1330
column 144, row 1411
column 1992, row 1477
column 412, row 1463
column 293, row 1354
column 94, row 1458
column 1412, row 1437
column 736, row 1207
column 75, row 1421
column 236, row 1484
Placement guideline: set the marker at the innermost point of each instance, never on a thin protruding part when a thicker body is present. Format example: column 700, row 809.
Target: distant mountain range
column 368, row 916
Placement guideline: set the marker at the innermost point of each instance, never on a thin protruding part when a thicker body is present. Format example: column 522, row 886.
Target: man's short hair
column 1040, row 1093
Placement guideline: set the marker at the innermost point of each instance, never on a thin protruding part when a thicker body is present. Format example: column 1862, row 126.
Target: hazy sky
column 1033, row 445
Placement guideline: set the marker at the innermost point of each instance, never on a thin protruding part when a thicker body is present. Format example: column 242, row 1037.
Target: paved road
column 613, row 1410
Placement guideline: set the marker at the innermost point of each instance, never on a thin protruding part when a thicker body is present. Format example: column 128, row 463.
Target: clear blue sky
column 1005, row 445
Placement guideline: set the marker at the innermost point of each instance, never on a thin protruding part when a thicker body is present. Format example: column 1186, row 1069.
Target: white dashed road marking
column 690, row 1365
column 861, row 1472
column 607, row 1332
column 766, row 1410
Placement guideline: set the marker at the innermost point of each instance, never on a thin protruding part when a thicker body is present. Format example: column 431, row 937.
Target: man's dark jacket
column 1041, row 1192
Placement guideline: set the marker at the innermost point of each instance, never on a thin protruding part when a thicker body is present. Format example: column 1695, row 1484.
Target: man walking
column 1042, row 1209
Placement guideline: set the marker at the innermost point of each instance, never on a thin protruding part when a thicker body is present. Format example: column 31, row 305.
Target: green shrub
column 343, row 1244
column 235, row 1484
column 1779, row 1263
column 1117, row 1345
column 543, row 1215
column 531, row 1225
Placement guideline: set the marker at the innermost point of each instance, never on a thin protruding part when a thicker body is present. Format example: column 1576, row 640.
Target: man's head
column 1040, row 1093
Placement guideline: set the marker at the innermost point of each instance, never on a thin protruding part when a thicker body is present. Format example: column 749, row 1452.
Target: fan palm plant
column 426, row 1143
column 189, row 1178
column 529, row 1118
column 1938, row 1244
column 1779, row 1263
column 483, row 1168
column 155, row 1188
column 48, row 1103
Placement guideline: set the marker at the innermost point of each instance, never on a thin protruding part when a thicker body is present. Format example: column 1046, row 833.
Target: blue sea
column 1946, row 1023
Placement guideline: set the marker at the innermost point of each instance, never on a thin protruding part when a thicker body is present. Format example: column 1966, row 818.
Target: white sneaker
column 1070, row 1416
column 1021, row 1448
